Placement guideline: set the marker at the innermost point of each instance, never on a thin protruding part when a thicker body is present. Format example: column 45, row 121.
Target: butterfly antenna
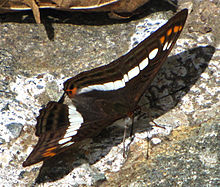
column 62, row 98
column 132, row 125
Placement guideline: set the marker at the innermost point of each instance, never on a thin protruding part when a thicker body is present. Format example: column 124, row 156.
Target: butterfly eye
column 71, row 86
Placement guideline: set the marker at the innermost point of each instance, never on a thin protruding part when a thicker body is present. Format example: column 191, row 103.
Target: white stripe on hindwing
column 64, row 140
column 75, row 120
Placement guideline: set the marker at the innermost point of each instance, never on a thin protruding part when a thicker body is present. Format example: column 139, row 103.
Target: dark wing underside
column 160, row 43
column 64, row 123
column 168, row 32
column 52, row 126
column 48, row 145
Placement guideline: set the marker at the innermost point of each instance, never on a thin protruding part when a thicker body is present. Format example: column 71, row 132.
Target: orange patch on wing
column 71, row 93
column 176, row 29
column 162, row 39
column 180, row 28
column 169, row 32
column 51, row 149
column 49, row 152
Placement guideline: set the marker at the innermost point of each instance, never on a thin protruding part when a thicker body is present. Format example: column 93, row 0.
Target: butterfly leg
column 132, row 125
column 125, row 148
column 152, row 124
column 124, row 137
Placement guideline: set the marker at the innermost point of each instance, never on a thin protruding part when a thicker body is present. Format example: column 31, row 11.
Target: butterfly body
column 95, row 99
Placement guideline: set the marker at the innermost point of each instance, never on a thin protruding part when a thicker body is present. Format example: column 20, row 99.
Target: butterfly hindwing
column 60, row 126
column 52, row 124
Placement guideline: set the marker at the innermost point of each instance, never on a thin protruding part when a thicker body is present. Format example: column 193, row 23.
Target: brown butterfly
column 114, row 7
column 117, row 9
column 95, row 99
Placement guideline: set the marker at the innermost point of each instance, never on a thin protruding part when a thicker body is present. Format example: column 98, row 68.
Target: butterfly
column 95, row 99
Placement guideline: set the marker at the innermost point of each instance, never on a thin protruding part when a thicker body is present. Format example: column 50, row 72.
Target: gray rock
column 15, row 129
column 184, row 99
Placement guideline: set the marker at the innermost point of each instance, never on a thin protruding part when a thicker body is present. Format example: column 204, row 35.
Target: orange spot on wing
column 176, row 29
column 51, row 149
column 71, row 92
column 162, row 39
column 49, row 152
column 169, row 32
column 180, row 28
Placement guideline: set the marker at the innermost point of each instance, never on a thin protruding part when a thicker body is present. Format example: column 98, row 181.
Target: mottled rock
column 183, row 99
column 15, row 129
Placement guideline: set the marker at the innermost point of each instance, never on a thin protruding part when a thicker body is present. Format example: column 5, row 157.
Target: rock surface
column 183, row 99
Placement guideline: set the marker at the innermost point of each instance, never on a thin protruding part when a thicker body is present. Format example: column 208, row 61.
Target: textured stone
column 183, row 99
column 15, row 129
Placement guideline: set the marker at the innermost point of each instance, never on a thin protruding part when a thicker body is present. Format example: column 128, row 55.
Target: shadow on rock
column 185, row 68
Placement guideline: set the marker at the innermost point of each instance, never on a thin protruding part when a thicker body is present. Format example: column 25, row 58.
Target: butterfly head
column 70, row 88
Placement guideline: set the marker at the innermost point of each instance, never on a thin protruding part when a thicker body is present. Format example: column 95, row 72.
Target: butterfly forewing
column 94, row 99
column 140, row 64
column 150, row 55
